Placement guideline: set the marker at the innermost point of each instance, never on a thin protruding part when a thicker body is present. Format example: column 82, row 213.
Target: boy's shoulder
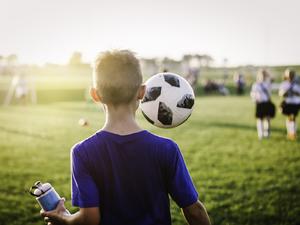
column 87, row 143
column 162, row 140
column 162, row 144
column 148, row 137
column 144, row 136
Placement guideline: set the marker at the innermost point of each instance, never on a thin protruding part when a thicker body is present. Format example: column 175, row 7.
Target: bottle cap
column 39, row 188
column 45, row 187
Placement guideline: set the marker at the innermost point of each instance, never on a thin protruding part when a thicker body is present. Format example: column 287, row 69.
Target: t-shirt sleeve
column 84, row 190
column 179, row 182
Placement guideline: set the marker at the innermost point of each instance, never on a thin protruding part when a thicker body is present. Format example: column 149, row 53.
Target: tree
column 207, row 60
column 76, row 59
column 12, row 59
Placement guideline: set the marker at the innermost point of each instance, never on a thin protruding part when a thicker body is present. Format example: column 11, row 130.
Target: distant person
column 297, row 79
column 240, row 83
column 2, row 65
column 123, row 175
column 211, row 86
column 290, row 91
column 265, row 109
column 22, row 89
column 193, row 77
column 223, row 90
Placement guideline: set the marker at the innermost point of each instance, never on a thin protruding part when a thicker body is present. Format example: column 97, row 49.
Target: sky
column 265, row 32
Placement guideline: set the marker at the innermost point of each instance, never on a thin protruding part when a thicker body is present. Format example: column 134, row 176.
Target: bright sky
column 244, row 31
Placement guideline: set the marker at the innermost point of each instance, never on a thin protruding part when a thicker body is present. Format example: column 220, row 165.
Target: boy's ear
column 142, row 91
column 94, row 95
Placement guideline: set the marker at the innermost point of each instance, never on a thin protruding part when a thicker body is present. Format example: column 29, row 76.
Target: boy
column 265, row 109
column 290, row 91
column 123, row 174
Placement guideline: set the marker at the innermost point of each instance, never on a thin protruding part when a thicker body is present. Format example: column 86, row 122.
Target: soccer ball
column 83, row 122
column 168, row 101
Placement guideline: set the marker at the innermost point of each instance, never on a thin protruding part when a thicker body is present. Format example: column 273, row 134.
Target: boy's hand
column 57, row 216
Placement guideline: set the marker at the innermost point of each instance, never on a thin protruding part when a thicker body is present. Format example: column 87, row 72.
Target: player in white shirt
column 21, row 87
column 265, row 109
column 290, row 91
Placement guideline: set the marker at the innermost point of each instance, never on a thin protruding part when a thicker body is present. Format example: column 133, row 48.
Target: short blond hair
column 262, row 75
column 289, row 74
column 117, row 76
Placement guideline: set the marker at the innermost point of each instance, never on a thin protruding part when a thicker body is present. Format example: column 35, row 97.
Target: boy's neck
column 121, row 120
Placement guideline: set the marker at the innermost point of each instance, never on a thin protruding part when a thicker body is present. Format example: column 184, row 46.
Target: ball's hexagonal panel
column 172, row 80
column 165, row 115
column 152, row 94
column 186, row 102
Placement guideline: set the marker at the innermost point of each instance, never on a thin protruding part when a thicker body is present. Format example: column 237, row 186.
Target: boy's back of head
column 117, row 76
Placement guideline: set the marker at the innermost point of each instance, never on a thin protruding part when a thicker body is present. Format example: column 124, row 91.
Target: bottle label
column 49, row 200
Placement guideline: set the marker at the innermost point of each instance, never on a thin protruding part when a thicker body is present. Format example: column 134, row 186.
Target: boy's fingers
column 52, row 213
column 46, row 219
column 62, row 201
column 61, row 204
column 43, row 213
column 48, row 214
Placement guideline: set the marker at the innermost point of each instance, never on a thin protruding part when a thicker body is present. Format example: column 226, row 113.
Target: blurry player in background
column 22, row 89
column 290, row 91
column 193, row 77
column 265, row 109
column 240, row 83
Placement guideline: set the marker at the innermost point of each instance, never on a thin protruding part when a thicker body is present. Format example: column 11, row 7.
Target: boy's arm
column 282, row 90
column 196, row 214
column 182, row 189
column 253, row 93
column 85, row 216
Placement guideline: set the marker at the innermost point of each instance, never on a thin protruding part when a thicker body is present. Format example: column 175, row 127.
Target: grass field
column 241, row 180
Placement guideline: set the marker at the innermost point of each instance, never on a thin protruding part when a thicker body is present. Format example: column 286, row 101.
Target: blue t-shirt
column 129, row 177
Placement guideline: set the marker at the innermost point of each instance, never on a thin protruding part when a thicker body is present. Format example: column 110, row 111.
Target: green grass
column 241, row 180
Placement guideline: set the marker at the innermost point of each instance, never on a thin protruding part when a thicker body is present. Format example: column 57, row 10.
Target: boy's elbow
column 87, row 216
column 95, row 220
column 196, row 214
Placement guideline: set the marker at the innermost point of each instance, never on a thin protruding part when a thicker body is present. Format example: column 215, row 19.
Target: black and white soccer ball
column 168, row 101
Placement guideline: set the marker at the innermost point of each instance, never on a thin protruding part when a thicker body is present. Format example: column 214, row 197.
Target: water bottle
column 45, row 195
